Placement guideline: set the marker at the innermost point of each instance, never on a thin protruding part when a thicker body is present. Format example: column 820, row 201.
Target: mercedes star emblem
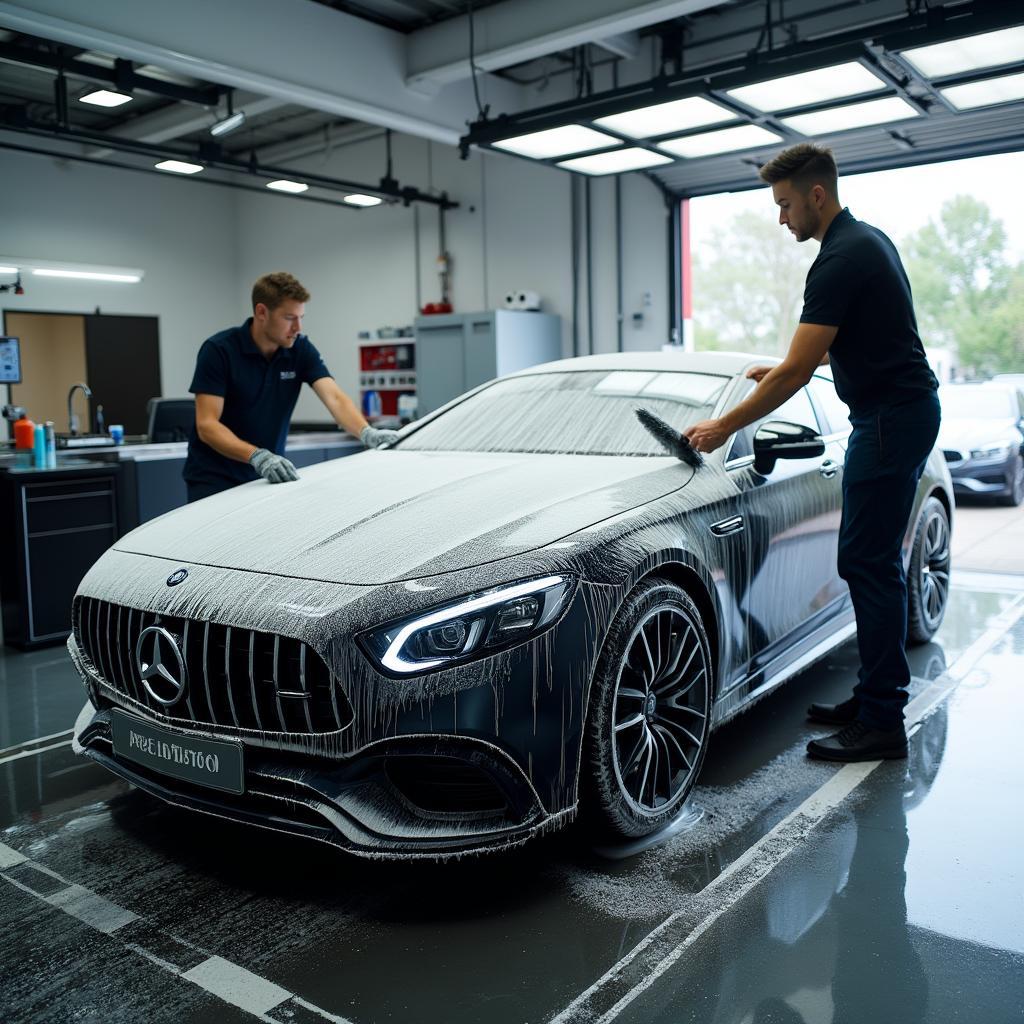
column 176, row 577
column 161, row 666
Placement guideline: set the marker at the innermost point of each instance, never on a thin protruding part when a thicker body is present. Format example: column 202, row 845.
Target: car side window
column 836, row 411
column 797, row 409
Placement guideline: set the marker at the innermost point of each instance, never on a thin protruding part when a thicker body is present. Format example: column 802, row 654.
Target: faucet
column 72, row 418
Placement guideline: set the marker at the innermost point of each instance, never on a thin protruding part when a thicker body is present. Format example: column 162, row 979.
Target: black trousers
column 884, row 461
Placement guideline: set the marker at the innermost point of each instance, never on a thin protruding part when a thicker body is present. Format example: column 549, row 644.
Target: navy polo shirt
column 259, row 397
column 858, row 284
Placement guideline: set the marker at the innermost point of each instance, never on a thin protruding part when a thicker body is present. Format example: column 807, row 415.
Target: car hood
column 965, row 434
column 384, row 516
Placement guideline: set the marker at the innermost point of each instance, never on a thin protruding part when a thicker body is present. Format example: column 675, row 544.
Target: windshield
column 963, row 402
column 581, row 413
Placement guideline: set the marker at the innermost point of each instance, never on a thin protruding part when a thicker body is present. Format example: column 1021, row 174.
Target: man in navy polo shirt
column 246, row 383
column 858, row 315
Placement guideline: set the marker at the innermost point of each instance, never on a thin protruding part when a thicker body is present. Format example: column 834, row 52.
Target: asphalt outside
column 792, row 892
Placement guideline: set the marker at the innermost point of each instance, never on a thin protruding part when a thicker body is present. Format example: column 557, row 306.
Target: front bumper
column 426, row 796
column 977, row 477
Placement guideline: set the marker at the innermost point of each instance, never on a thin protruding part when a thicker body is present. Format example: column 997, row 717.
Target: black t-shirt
column 858, row 284
column 259, row 397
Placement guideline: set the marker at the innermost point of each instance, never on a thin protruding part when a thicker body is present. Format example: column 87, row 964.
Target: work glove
column 374, row 437
column 275, row 468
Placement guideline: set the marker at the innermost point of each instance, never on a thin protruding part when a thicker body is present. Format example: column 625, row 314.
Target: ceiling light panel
column 728, row 140
column 571, row 138
column 808, row 87
column 88, row 275
column 284, row 185
column 1004, row 89
column 663, row 118
column 178, row 167
column 853, row 115
column 360, row 200
column 105, row 98
column 988, row 50
column 618, row 162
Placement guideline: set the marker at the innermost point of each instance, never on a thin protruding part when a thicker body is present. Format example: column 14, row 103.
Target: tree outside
column 969, row 297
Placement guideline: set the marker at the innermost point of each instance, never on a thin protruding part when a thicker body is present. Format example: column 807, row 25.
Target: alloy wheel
column 935, row 560
column 660, row 710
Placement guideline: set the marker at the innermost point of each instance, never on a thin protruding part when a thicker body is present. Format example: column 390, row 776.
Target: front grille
column 236, row 677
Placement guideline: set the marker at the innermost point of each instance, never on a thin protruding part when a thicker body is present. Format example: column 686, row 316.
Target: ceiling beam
column 520, row 30
column 299, row 52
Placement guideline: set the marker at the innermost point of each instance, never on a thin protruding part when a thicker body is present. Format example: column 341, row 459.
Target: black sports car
column 524, row 611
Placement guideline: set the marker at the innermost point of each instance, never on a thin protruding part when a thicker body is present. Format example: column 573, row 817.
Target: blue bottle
column 39, row 447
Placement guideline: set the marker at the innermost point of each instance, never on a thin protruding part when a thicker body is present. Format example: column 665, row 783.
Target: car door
column 791, row 522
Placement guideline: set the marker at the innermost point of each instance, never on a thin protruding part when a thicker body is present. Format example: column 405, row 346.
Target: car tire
column 649, row 713
column 928, row 585
column 1015, row 492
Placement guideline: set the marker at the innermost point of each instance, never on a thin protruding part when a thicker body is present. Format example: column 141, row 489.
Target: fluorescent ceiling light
column 105, row 98
column 662, row 118
column 8, row 270
column 619, row 162
column 853, row 115
column 228, row 124
column 284, row 185
column 88, row 275
column 728, row 140
column 570, row 138
column 988, row 50
column 809, row 87
column 984, row 94
column 178, row 167
column 356, row 199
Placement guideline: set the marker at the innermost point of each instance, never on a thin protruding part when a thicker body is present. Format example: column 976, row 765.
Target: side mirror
column 778, row 440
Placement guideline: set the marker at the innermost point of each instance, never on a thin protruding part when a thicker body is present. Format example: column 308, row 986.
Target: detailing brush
column 670, row 439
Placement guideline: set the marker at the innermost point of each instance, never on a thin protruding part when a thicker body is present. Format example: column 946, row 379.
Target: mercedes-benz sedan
column 524, row 611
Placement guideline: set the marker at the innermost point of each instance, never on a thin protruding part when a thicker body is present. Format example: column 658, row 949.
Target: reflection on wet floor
column 516, row 937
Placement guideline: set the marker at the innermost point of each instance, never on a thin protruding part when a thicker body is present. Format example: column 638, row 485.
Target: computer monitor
column 171, row 419
column 10, row 360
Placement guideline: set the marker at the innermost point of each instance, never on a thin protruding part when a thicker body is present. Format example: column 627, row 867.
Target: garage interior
column 389, row 153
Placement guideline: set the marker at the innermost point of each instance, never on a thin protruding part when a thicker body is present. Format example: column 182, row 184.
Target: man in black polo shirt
column 859, row 316
column 247, row 381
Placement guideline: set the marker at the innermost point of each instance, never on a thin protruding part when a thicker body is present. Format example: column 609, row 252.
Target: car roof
column 727, row 364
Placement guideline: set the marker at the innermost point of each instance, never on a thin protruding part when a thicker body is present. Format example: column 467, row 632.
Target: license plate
column 212, row 763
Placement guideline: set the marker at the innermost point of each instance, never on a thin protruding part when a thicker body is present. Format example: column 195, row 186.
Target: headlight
column 993, row 451
column 473, row 627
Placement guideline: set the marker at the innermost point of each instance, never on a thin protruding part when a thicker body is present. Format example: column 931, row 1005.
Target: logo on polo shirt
column 287, row 375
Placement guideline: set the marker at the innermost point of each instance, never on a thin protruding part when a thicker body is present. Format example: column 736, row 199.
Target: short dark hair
column 806, row 165
column 273, row 289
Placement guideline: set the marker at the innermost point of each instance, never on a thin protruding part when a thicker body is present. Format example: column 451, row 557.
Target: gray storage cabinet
column 458, row 351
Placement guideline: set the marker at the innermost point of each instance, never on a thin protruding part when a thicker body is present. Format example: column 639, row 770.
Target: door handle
column 726, row 527
column 829, row 468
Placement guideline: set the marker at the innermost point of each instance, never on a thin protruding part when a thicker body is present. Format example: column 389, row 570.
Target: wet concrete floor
column 891, row 894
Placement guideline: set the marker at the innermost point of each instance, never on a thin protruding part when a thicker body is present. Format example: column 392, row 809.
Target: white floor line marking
column 226, row 980
column 10, row 858
column 91, row 909
column 775, row 846
column 35, row 739
column 32, row 753
column 236, row 985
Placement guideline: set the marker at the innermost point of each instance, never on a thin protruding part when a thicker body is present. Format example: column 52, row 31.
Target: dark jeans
column 886, row 455
column 203, row 490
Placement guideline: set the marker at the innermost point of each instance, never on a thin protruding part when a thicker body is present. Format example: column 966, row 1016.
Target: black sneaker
column 835, row 714
column 859, row 742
